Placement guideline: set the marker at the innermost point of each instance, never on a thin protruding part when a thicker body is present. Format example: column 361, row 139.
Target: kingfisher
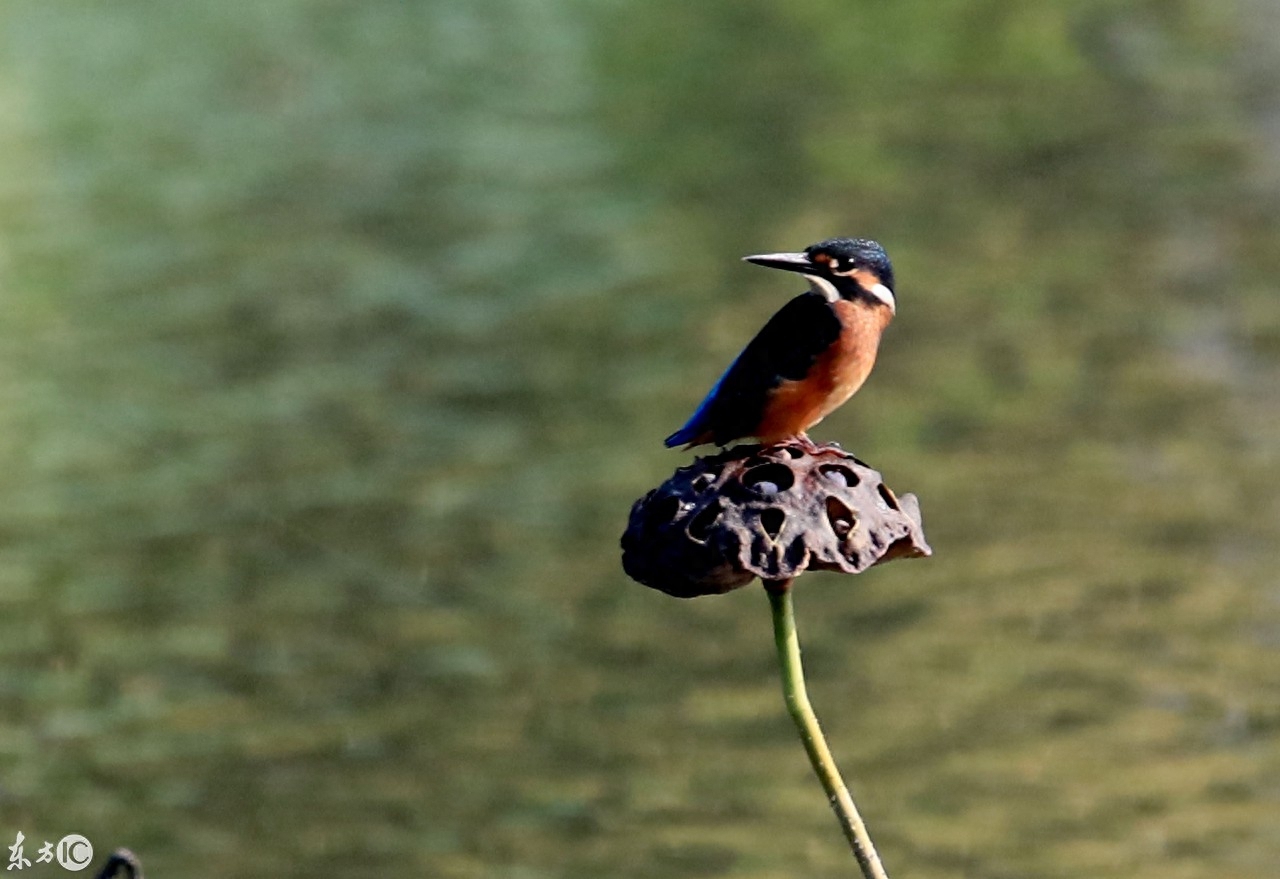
column 810, row 357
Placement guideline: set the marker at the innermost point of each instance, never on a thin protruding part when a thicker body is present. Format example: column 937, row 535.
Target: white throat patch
column 831, row 294
column 825, row 287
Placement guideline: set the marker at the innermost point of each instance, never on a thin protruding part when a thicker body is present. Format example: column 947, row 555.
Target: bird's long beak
column 788, row 262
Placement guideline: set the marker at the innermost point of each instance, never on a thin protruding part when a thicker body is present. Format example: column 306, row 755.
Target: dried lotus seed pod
column 771, row 512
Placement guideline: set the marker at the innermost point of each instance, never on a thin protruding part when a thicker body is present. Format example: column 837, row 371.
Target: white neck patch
column 885, row 295
column 831, row 294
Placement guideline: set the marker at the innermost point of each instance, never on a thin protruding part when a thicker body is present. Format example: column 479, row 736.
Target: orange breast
column 795, row 406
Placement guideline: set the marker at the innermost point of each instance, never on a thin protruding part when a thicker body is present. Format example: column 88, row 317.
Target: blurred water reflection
column 339, row 337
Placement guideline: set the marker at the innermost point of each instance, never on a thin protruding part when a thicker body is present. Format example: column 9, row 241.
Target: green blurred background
column 338, row 338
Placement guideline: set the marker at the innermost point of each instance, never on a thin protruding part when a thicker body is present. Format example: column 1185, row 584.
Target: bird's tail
column 697, row 430
column 690, row 434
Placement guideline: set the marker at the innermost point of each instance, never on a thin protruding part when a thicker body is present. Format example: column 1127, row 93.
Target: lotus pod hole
column 770, row 512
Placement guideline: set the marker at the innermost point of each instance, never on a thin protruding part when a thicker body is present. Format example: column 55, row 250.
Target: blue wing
column 700, row 422
column 784, row 349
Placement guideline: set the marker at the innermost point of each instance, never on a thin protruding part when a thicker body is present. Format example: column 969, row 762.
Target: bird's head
column 840, row 268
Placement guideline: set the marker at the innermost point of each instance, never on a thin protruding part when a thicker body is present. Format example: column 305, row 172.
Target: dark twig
column 121, row 863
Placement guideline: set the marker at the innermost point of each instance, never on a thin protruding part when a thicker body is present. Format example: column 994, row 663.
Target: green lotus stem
column 797, row 698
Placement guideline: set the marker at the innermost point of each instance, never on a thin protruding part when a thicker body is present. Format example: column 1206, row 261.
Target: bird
column 810, row 357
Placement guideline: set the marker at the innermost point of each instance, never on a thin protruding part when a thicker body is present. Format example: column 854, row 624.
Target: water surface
column 338, row 339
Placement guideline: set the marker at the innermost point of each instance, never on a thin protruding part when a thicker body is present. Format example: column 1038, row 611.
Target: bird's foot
column 805, row 442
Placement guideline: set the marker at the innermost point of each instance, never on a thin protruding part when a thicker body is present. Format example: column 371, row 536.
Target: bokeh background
column 338, row 337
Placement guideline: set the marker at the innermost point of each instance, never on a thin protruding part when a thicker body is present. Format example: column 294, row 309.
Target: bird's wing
column 784, row 349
